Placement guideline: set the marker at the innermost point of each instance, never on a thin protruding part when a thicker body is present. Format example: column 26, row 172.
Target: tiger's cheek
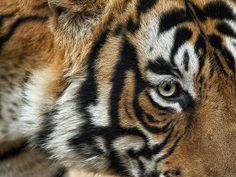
column 207, row 147
column 184, row 161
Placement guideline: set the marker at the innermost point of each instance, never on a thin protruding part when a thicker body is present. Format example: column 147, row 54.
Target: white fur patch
column 122, row 145
column 230, row 41
column 99, row 112
column 36, row 102
column 187, row 82
column 161, row 44
column 101, row 143
column 67, row 121
column 231, row 45
column 162, row 102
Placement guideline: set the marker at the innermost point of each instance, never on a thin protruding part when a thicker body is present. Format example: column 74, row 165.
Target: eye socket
column 167, row 89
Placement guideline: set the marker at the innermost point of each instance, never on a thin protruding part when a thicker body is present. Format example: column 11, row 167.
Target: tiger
column 131, row 88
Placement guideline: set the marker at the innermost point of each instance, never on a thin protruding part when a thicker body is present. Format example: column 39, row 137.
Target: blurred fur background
column 74, row 173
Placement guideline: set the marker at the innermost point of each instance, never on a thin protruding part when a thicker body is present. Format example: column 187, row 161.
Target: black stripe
column 19, row 22
column 139, row 113
column 198, row 12
column 128, row 60
column 26, row 78
column 159, row 147
column 144, row 5
column 24, row 82
column 216, row 42
column 186, row 61
column 115, row 157
column 13, row 152
column 152, row 119
column 87, row 94
column 175, row 172
column 159, row 107
column 118, row 30
column 200, row 50
column 148, row 152
column 230, row 60
column 219, row 10
column 3, row 17
column 132, row 26
column 181, row 36
column 47, row 127
column 154, row 129
column 60, row 172
column 212, row 69
column 226, row 29
column 173, row 18
column 171, row 149
column 185, row 100
column 84, row 137
column 220, row 67
column 160, row 66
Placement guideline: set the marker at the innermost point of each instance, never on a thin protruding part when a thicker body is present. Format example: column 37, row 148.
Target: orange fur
column 58, row 48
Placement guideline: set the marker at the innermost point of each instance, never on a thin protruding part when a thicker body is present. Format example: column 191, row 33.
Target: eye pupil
column 167, row 89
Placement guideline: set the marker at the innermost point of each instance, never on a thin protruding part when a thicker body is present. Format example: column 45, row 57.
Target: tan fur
column 56, row 51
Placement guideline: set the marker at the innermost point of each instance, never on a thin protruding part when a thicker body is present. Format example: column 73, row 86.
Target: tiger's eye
column 167, row 89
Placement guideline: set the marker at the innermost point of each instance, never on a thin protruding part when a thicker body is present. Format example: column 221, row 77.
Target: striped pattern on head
column 149, row 88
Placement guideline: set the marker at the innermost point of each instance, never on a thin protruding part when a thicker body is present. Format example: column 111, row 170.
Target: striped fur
column 79, row 81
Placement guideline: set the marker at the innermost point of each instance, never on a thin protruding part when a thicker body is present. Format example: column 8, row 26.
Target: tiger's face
column 156, row 95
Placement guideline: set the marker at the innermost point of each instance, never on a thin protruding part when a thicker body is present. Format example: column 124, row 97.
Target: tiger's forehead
column 168, row 33
column 180, row 32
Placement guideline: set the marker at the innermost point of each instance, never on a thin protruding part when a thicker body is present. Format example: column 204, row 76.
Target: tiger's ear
column 77, row 17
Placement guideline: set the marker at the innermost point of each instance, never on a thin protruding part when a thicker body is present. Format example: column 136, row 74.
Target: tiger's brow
column 160, row 66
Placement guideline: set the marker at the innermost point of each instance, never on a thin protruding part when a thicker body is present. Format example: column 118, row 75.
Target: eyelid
column 156, row 80
column 164, row 82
